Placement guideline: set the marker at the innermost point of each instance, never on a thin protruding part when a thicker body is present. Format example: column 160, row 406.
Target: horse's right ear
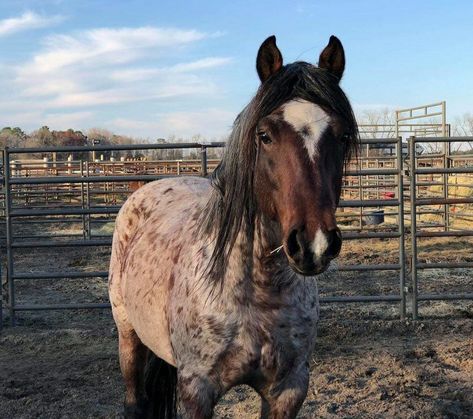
column 269, row 59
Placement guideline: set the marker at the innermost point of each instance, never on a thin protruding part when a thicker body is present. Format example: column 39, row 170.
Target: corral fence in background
column 89, row 192
column 70, row 193
column 448, row 201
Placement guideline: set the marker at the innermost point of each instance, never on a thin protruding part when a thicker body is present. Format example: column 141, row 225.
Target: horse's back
column 152, row 231
column 166, row 201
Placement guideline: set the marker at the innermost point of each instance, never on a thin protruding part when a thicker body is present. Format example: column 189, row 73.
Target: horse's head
column 302, row 141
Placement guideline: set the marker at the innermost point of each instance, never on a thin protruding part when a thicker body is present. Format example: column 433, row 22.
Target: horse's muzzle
column 312, row 257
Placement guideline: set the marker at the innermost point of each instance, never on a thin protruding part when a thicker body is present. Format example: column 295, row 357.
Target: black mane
column 232, row 203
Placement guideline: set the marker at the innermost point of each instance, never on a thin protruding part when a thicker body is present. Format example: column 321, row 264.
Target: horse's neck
column 257, row 261
column 270, row 266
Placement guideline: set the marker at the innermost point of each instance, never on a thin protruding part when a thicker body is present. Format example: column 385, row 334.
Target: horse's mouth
column 310, row 269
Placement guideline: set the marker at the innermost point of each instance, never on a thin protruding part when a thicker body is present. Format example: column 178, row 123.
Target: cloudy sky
column 160, row 68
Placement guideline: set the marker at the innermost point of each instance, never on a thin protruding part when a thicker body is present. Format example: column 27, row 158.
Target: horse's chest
column 263, row 351
column 236, row 346
column 280, row 343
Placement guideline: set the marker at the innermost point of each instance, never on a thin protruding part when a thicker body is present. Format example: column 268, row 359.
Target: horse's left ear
column 269, row 59
column 332, row 57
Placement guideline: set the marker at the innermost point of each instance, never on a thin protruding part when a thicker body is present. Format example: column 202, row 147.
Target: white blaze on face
column 319, row 245
column 307, row 119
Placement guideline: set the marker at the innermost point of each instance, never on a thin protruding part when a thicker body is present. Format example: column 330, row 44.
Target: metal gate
column 424, row 175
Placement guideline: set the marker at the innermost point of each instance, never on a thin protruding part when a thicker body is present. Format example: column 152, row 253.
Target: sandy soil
column 367, row 363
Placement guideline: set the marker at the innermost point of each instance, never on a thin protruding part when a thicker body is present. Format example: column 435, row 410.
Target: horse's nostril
column 292, row 243
column 335, row 243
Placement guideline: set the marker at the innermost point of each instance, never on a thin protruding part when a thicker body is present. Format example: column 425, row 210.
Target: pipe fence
column 439, row 177
column 16, row 179
column 90, row 193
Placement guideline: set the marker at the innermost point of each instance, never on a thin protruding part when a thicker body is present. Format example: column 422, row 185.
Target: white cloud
column 128, row 94
column 28, row 20
column 63, row 121
column 98, row 47
column 128, row 68
column 20, row 119
column 33, row 119
column 135, row 74
column 201, row 64
column 101, row 66
column 210, row 123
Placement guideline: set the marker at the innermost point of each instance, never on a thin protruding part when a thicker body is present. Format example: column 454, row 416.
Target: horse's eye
column 346, row 136
column 264, row 137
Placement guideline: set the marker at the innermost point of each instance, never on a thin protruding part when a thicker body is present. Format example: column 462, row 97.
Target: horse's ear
column 269, row 59
column 332, row 57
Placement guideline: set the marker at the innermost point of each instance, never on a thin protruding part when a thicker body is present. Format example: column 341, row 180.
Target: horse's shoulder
column 165, row 190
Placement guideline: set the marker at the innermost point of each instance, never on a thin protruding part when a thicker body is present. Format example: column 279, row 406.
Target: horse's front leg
column 197, row 396
column 284, row 399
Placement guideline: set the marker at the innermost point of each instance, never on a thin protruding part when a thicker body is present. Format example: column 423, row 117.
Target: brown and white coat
column 265, row 223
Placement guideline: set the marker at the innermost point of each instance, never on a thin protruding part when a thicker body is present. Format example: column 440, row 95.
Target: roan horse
column 212, row 280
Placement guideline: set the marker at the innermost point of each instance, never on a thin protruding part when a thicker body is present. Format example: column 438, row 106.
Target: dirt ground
column 367, row 362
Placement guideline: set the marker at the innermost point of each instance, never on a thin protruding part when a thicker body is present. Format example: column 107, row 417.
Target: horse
column 213, row 280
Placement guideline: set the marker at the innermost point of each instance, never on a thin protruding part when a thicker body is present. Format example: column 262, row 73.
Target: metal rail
column 416, row 202
column 369, row 179
column 85, row 210
column 125, row 147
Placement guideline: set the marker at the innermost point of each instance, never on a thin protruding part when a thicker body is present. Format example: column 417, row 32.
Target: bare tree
column 377, row 123
column 463, row 126
column 101, row 134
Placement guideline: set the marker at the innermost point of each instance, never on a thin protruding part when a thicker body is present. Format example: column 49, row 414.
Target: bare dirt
column 367, row 363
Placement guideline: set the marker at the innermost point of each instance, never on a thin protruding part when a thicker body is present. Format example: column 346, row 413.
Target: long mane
column 232, row 204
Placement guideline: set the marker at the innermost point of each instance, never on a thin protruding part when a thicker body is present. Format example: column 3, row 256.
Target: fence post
column 402, row 232
column 82, row 199
column 412, row 192
column 2, row 172
column 87, row 200
column 9, row 237
column 446, row 165
column 203, row 155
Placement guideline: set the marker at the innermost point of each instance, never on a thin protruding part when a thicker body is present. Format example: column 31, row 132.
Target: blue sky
column 158, row 68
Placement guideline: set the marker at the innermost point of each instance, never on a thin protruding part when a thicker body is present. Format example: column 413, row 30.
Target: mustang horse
column 212, row 280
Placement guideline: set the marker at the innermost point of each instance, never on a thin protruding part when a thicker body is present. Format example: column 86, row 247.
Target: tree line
column 45, row 137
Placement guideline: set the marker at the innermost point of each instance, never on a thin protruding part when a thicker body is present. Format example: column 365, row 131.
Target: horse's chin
column 310, row 270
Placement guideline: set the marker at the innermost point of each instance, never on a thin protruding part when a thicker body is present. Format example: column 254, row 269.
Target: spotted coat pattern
column 258, row 329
